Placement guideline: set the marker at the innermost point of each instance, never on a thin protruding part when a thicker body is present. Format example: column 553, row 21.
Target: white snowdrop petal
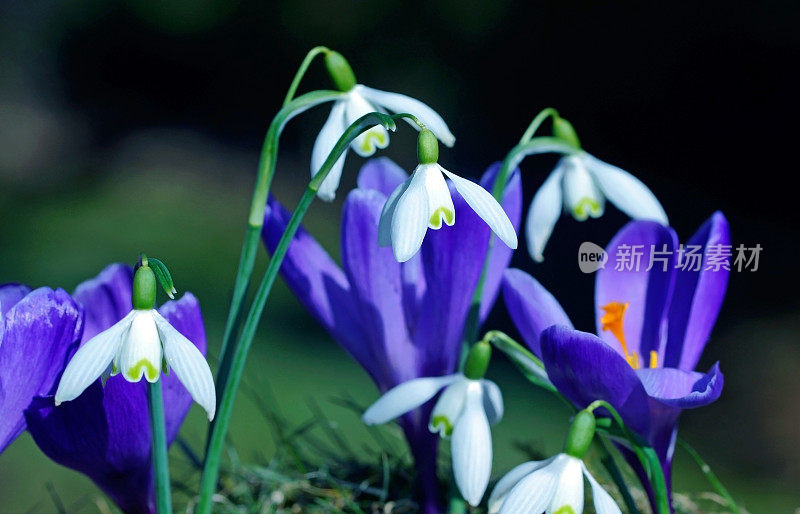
column 582, row 198
column 376, row 137
column 510, row 479
column 603, row 502
column 533, row 493
column 492, row 401
column 405, row 397
column 569, row 491
column 485, row 206
column 544, row 212
column 471, row 447
column 91, row 360
column 448, row 408
column 440, row 203
column 398, row 103
column 410, row 219
column 189, row 365
column 387, row 213
column 625, row 191
column 330, row 133
column 140, row 353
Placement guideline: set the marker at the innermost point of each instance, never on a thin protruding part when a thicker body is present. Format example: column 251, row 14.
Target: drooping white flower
column 423, row 201
column 357, row 102
column 142, row 344
column 464, row 412
column 554, row 485
column 580, row 185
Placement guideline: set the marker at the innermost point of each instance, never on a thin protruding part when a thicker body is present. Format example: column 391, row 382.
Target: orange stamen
column 612, row 322
column 653, row 359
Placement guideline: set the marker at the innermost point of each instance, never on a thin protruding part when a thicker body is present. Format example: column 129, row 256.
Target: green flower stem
column 537, row 122
column 301, row 71
column 616, row 475
column 247, row 259
column 710, row 475
column 240, row 350
column 159, row 438
column 646, row 455
column 535, row 145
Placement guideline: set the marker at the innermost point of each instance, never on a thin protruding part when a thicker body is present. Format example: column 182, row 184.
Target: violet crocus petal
column 376, row 288
column 104, row 433
column 41, row 331
column 105, row 298
column 647, row 293
column 500, row 254
column 682, row 389
column 584, row 369
column 698, row 297
column 317, row 282
column 381, row 174
column 532, row 307
column 453, row 260
column 10, row 294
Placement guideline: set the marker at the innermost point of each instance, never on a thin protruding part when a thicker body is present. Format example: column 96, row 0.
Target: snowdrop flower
column 552, row 485
column 423, row 201
column 142, row 344
column 464, row 411
column 357, row 101
column 556, row 484
column 580, row 184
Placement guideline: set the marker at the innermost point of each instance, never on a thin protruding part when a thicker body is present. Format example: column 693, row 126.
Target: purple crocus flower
column 400, row 321
column 38, row 331
column 105, row 432
column 652, row 328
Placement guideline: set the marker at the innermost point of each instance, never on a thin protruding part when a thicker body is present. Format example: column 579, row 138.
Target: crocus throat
column 612, row 322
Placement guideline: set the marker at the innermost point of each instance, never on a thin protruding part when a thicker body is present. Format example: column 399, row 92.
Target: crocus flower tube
column 400, row 321
column 652, row 328
column 38, row 331
column 104, row 432
column 357, row 101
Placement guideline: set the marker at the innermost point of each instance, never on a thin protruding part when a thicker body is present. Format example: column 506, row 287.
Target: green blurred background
column 130, row 126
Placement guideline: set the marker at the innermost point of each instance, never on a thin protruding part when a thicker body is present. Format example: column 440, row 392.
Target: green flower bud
column 563, row 130
column 580, row 434
column 478, row 361
column 144, row 287
column 427, row 147
column 340, row 71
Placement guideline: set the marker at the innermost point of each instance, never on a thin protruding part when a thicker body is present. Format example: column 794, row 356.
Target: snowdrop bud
column 340, row 71
column 478, row 361
column 427, row 147
column 144, row 287
column 563, row 130
column 580, row 434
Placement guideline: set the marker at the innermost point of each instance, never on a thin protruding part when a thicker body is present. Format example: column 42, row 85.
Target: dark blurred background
column 129, row 126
